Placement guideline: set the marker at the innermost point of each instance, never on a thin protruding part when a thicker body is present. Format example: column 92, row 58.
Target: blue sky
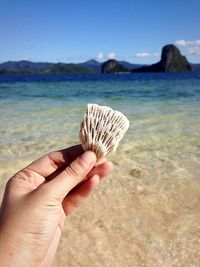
column 75, row 31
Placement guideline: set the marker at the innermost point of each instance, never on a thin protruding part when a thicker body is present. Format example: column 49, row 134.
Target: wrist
column 12, row 253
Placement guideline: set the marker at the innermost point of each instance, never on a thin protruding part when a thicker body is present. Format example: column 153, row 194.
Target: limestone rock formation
column 171, row 61
column 112, row 66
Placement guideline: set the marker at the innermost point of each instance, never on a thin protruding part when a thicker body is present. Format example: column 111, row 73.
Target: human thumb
column 72, row 175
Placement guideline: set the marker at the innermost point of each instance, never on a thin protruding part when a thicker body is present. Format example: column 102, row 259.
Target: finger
column 101, row 161
column 71, row 175
column 51, row 162
column 54, row 174
column 101, row 170
column 75, row 198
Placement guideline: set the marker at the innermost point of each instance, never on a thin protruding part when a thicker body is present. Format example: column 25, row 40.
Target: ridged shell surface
column 101, row 129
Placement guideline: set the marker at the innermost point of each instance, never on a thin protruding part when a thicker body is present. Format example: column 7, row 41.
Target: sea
column 38, row 110
column 157, row 164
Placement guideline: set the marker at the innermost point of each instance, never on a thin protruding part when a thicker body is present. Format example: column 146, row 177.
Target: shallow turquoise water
column 40, row 113
column 153, row 218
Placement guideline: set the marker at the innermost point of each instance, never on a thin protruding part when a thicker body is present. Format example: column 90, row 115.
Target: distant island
column 171, row 61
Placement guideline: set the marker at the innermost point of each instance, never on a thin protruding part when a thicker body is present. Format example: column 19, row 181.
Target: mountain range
column 90, row 66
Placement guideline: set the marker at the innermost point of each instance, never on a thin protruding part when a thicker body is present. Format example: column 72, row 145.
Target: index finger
column 51, row 162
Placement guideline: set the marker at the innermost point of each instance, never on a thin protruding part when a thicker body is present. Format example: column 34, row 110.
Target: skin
column 38, row 198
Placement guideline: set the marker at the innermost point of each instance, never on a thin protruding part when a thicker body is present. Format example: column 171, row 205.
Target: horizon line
column 100, row 62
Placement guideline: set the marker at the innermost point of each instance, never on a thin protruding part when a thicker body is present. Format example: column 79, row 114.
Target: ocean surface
column 158, row 210
column 38, row 110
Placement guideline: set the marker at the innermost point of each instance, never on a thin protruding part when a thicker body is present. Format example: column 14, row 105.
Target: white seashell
column 101, row 129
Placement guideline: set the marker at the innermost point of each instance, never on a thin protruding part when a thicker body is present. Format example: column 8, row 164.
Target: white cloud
column 143, row 54
column 100, row 56
column 112, row 55
column 188, row 42
column 181, row 42
column 195, row 51
column 147, row 54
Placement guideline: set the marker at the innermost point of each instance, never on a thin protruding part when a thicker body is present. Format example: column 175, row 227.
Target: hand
column 37, row 200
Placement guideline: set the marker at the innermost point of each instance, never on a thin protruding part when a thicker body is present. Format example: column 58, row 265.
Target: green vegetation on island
column 171, row 61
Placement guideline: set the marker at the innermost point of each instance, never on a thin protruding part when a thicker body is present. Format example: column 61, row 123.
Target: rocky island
column 112, row 66
column 171, row 61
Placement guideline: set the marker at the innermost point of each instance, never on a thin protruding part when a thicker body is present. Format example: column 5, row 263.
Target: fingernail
column 89, row 157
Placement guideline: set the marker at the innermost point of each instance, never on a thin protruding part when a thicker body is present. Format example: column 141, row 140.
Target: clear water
column 43, row 113
column 35, row 108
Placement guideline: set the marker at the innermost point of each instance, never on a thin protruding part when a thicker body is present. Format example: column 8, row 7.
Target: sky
column 76, row 31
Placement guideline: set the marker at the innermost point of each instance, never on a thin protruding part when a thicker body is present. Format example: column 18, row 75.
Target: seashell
column 101, row 129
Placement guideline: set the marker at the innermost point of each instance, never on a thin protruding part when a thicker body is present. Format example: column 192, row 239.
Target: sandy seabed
column 152, row 219
column 147, row 213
